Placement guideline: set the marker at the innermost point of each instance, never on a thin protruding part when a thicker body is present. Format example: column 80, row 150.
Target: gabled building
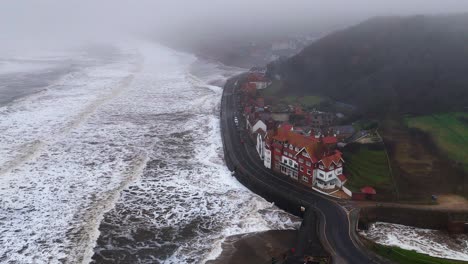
column 258, row 80
column 309, row 160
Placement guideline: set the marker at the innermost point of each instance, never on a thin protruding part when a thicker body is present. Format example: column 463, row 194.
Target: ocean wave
column 123, row 161
column 432, row 242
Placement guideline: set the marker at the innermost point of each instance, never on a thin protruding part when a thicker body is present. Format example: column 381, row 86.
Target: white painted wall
column 260, row 146
column 347, row 191
column 289, row 161
column 259, row 125
column 267, row 159
column 261, row 85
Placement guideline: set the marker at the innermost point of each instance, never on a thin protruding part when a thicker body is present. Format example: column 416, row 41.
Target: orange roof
column 335, row 157
column 256, row 77
column 282, row 133
column 330, row 140
column 368, row 190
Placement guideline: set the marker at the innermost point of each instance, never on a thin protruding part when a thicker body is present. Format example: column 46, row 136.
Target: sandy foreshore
column 256, row 248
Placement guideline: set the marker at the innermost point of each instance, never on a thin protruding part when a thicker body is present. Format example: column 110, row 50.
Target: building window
column 301, row 160
column 305, row 178
column 322, row 175
column 285, row 161
column 290, row 162
column 308, row 171
column 301, row 168
column 306, row 155
column 332, row 167
column 295, row 166
column 290, row 155
column 285, row 153
column 296, row 149
column 278, row 150
column 321, row 167
column 291, row 147
column 339, row 171
column 308, row 163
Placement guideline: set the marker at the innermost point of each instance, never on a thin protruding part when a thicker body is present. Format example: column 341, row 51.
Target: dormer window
column 332, row 167
column 296, row 149
column 291, row 147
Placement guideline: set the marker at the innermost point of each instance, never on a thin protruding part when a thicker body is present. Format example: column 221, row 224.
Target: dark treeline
column 415, row 64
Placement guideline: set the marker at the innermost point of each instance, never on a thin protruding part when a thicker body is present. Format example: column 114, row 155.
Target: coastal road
column 335, row 233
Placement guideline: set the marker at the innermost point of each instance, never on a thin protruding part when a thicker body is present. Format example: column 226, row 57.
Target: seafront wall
column 451, row 220
column 286, row 201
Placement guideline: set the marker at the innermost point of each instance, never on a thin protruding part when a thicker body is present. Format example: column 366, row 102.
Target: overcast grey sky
column 73, row 21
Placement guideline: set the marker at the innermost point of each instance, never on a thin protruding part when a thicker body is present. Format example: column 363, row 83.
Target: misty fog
column 57, row 24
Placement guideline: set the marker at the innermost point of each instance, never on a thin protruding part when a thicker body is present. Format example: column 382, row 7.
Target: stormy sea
column 435, row 243
column 114, row 155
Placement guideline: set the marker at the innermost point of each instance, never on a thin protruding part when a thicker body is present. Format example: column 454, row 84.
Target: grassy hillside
column 419, row 167
column 403, row 256
column 449, row 131
column 274, row 93
column 368, row 165
column 400, row 64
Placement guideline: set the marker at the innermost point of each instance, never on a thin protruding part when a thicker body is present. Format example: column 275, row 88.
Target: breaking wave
column 122, row 161
column 432, row 242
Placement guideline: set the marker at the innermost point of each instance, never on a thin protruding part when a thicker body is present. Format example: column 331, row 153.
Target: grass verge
column 367, row 164
column 403, row 256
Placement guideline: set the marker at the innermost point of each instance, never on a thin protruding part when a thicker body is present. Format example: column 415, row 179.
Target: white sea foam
column 136, row 137
column 432, row 242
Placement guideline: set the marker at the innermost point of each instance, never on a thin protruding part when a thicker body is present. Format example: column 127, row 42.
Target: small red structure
column 368, row 190
column 367, row 193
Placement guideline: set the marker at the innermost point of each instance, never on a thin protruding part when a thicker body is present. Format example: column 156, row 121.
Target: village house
column 307, row 153
column 258, row 79
column 309, row 160
column 319, row 119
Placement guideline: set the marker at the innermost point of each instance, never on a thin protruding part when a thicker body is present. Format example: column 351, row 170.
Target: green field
column 367, row 166
column 275, row 88
column 404, row 256
column 309, row 101
column 449, row 131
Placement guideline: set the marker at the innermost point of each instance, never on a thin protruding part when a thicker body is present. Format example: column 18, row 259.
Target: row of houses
column 309, row 159
column 306, row 154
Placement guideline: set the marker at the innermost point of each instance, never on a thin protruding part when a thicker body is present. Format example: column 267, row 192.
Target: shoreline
column 257, row 247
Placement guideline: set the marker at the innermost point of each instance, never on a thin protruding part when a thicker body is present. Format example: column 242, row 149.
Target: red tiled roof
column 330, row 140
column 256, row 77
column 335, row 157
column 282, row 132
column 368, row 190
column 286, row 127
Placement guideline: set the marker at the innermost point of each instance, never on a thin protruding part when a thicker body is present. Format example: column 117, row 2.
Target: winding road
column 334, row 229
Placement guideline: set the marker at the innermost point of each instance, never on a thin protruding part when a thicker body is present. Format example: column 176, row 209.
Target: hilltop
column 407, row 64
